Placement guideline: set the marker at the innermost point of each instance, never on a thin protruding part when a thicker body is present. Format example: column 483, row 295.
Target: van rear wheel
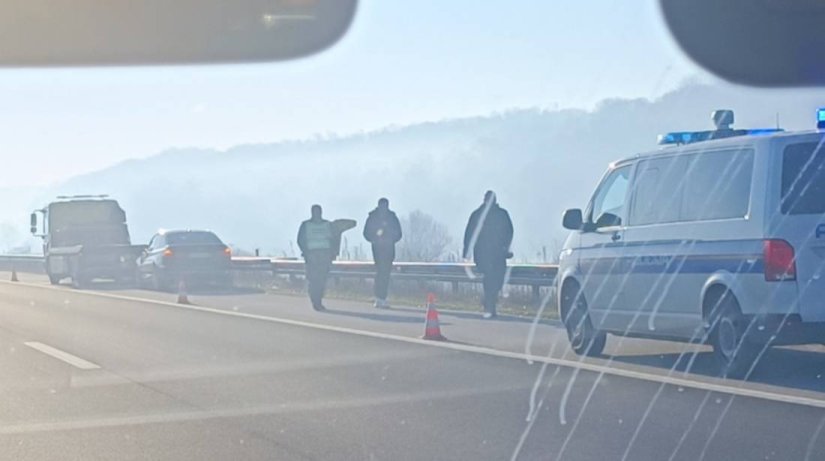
column 584, row 338
column 734, row 354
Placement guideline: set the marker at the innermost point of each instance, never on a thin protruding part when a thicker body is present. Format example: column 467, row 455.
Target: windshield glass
column 84, row 213
column 405, row 246
column 611, row 195
column 192, row 238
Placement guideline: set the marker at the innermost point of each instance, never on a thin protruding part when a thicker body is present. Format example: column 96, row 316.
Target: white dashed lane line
column 732, row 388
column 72, row 360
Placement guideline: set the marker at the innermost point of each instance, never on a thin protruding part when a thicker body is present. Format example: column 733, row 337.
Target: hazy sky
column 402, row 62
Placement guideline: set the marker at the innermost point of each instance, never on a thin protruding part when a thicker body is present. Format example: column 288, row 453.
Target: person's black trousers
column 493, row 282
column 318, row 263
column 383, row 258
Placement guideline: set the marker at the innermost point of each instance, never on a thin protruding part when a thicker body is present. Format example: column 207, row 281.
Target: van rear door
column 801, row 221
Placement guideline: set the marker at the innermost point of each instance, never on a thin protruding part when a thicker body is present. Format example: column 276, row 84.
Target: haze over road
column 258, row 376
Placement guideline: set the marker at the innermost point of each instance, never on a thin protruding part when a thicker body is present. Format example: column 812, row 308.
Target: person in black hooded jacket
column 489, row 234
column 383, row 231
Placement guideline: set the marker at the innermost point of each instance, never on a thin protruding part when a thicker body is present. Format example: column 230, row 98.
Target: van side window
column 803, row 179
column 717, row 185
column 657, row 191
column 607, row 207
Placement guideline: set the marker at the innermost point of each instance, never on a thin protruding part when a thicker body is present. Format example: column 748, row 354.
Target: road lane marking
column 206, row 414
column 72, row 360
column 729, row 389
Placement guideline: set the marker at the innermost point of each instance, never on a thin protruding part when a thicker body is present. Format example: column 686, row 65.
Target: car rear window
column 803, row 179
column 196, row 238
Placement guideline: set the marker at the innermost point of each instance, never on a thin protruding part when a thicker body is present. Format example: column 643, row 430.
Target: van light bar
column 690, row 137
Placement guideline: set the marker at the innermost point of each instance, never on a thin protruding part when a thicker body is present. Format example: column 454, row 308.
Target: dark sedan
column 191, row 256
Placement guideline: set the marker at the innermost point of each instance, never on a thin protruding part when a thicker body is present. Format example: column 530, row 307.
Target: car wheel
column 54, row 279
column 584, row 338
column 126, row 281
column 158, row 282
column 734, row 354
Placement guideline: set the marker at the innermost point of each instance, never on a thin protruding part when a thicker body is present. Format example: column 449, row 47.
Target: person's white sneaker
column 381, row 304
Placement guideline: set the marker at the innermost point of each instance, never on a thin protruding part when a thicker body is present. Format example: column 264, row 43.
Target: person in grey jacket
column 316, row 238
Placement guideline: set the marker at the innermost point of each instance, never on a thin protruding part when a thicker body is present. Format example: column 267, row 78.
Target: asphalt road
column 125, row 374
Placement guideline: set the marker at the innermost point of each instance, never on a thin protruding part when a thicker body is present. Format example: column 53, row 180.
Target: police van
column 719, row 237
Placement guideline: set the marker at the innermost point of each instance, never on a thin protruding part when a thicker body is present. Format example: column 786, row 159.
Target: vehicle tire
column 584, row 338
column 158, row 282
column 79, row 281
column 126, row 282
column 226, row 282
column 54, row 279
column 733, row 352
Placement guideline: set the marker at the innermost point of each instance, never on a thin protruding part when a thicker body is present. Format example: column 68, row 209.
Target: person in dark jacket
column 316, row 238
column 383, row 231
column 488, row 236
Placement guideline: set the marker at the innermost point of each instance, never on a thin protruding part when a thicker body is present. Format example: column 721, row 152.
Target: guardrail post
column 536, row 295
column 455, row 287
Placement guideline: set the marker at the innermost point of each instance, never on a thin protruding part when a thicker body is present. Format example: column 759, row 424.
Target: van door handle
column 616, row 236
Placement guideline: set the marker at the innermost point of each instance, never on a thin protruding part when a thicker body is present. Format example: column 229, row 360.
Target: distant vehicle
column 85, row 237
column 193, row 256
column 718, row 239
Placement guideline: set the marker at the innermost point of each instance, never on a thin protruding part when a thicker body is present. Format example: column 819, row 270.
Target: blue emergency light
column 820, row 118
column 722, row 119
column 690, row 137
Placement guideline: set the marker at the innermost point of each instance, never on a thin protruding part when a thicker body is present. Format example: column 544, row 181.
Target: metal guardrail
column 23, row 263
column 534, row 275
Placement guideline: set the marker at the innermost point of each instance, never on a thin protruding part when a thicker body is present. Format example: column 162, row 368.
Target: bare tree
column 425, row 239
column 9, row 236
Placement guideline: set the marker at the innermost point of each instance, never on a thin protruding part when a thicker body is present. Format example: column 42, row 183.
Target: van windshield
column 803, row 179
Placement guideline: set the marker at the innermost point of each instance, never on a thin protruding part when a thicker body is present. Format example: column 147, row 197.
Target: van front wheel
column 584, row 338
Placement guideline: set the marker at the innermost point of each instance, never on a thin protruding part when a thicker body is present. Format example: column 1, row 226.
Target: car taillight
column 779, row 260
column 168, row 252
column 228, row 252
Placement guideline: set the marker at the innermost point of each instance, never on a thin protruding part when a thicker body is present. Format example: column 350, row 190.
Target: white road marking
column 737, row 389
column 72, row 360
column 206, row 414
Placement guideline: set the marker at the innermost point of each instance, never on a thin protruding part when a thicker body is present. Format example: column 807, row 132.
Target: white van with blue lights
column 719, row 237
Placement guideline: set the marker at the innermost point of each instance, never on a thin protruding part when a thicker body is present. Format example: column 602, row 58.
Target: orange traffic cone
column 432, row 328
column 183, row 298
column 14, row 274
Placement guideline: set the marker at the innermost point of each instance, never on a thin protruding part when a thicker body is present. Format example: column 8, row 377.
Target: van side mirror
column 572, row 219
column 33, row 223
